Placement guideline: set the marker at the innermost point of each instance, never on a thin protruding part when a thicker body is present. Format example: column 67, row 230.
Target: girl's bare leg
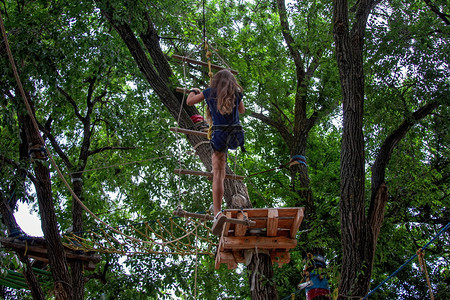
column 218, row 162
column 218, row 165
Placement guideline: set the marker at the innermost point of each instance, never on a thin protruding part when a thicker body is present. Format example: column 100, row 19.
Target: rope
column 159, row 241
column 423, row 267
column 270, row 170
column 123, row 164
column 408, row 261
column 196, row 265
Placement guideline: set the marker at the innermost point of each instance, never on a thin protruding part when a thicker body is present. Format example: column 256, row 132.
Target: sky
column 28, row 222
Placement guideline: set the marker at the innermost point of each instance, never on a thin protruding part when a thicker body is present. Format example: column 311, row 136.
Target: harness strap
column 230, row 129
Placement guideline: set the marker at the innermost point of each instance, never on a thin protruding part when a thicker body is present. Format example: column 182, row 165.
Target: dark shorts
column 227, row 137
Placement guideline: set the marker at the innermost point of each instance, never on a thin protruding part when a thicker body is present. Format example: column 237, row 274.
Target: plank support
column 183, row 213
column 188, row 131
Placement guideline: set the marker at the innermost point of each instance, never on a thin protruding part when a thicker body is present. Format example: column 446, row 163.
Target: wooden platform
column 188, row 131
column 274, row 232
column 36, row 248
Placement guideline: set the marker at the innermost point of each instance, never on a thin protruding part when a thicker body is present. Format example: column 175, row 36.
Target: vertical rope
column 423, row 268
column 196, row 263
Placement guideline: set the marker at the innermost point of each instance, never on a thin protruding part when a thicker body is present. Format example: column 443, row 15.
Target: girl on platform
column 224, row 99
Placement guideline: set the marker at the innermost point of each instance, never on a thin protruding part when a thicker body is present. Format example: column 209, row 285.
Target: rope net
column 163, row 236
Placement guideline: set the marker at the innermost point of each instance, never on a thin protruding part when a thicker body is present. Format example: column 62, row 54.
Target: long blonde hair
column 226, row 86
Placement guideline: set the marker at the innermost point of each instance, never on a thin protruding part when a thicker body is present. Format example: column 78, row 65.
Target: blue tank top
column 210, row 95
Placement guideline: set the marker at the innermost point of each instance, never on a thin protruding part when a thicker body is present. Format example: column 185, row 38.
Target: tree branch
column 151, row 42
column 444, row 17
column 108, row 148
column 386, row 149
column 299, row 64
column 279, row 126
column 55, row 146
column 72, row 102
column 281, row 112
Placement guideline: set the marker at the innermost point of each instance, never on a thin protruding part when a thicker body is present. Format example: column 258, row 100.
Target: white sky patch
column 28, row 220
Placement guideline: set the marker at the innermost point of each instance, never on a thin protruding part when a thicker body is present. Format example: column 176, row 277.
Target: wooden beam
column 272, row 222
column 201, row 63
column 188, row 131
column 296, row 224
column 41, row 251
column 240, row 229
column 280, row 257
column 225, row 258
column 251, row 242
column 227, row 225
column 182, row 213
column 206, row 174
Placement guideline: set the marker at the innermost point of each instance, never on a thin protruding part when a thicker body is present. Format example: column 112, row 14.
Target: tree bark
column 357, row 236
column 56, row 256
column 260, row 274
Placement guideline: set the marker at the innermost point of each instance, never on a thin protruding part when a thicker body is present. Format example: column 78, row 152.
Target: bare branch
column 108, row 148
column 386, row 149
column 282, row 113
column 279, row 126
column 72, row 102
column 444, row 17
column 299, row 64
column 56, row 146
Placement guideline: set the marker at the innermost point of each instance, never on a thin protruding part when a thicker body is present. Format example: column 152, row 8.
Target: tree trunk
column 77, row 225
column 260, row 273
column 357, row 236
column 56, row 254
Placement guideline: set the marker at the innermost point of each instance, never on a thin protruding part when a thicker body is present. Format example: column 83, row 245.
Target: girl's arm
column 241, row 107
column 194, row 97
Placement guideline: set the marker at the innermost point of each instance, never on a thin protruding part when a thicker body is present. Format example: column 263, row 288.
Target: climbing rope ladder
column 162, row 236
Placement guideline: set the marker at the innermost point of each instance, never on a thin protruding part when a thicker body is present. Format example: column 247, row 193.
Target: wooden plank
column 241, row 229
column 225, row 258
column 272, row 222
column 280, row 257
column 201, row 63
column 88, row 265
column 206, row 174
column 183, row 213
column 252, row 212
column 251, row 242
column 238, row 256
column 182, row 90
column 296, row 224
column 41, row 251
column 227, row 225
column 188, row 131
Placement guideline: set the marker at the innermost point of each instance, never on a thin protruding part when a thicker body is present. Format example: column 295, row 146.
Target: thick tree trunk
column 50, row 228
column 260, row 273
column 357, row 238
column 77, row 225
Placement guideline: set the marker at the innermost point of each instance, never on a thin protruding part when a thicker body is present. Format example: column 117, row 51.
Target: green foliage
column 67, row 46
